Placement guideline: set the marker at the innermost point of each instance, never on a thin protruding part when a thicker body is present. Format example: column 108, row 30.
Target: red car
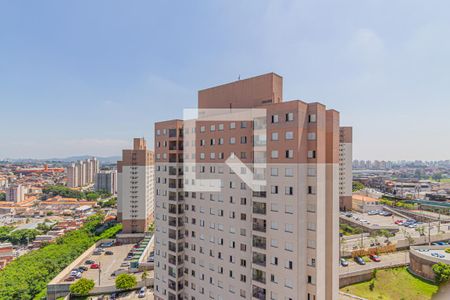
column 95, row 266
column 374, row 257
column 398, row 222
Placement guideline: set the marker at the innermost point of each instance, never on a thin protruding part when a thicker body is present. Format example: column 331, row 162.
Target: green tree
column 23, row 236
column 441, row 272
column 2, row 196
column 144, row 277
column 151, row 227
column 28, row 275
column 4, row 232
column 82, row 287
column 357, row 186
column 92, row 196
column 125, row 282
column 386, row 233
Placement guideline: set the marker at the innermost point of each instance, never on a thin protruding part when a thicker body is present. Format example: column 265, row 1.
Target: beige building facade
column 257, row 218
column 345, row 167
column 82, row 173
column 135, row 194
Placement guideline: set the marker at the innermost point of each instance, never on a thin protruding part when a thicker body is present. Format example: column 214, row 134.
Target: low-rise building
column 364, row 204
column 6, row 254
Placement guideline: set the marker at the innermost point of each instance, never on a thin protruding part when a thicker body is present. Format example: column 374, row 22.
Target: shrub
column 82, row 287
column 125, row 282
column 441, row 272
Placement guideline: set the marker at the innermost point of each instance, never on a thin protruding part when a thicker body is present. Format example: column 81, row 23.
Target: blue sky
column 85, row 77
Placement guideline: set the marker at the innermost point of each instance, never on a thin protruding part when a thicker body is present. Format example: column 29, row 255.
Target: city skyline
column 73, row 89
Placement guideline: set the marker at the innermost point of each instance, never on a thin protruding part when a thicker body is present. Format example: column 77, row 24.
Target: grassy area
column 394, row 284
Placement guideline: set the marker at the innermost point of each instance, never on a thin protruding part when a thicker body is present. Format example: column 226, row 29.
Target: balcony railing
column 259, row 259
column 259, row 225
column 259, row 276
column 259, row 242
column 259, row 293
column 259, row 208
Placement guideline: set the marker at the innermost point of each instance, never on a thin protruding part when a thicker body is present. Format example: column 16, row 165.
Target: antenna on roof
column 239, row 77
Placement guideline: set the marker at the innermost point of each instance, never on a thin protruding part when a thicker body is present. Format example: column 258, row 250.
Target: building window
column 274, row 136
column 289, row 135
column 311, row 136
column 289, row 153
column 289, row 117
column 274, row 154
column 232, row 125
column 311, row 153
column 312, row 118
column 274, row 118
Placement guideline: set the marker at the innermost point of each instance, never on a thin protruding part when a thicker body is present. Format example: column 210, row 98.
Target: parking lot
column 108, row 264
column 386, row 260
column 375, row 220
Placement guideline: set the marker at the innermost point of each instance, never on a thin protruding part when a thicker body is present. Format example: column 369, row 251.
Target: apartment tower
column 345, row 167
column 82, row 173
column 135, row 194
column 272, row 238
column 106, row 181
column 16, row 193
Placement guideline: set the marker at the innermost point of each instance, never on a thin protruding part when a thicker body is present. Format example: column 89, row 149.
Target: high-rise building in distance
column 106, row 181
column 82, row 173
column 247, row 197
column 135, row 195
column 16, row 193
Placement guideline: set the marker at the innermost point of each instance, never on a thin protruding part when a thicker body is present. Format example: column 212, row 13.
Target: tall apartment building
column 106, row 181
column 82, row 173
column 345, row 167
column 135, row 195
column 16, row 193
column 257, row 217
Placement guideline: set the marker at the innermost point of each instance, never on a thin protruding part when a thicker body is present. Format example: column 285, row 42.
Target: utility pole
column 99, row 273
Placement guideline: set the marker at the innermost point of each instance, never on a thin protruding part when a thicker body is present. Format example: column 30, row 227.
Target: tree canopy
column 125, row 281
column 28, row 275
column 82, row 287
column 441, row 272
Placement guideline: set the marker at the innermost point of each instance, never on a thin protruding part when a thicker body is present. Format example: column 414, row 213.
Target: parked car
column 95, row 266
column 109, row 253
column 70, row 278
column 82, row 268
column 89, row 262
column 113, row 296
column 374, row 257
column 344, row 262
column 125, row 264
column 349, row 215
column 359, row 260
column 118, row 272
column 372, row 213
column 399, row 222
column 106, row 244
column 141, row 293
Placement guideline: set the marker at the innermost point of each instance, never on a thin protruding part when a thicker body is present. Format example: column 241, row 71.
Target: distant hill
column 102, row 160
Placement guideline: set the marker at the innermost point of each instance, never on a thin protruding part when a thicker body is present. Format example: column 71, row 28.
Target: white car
column 141, row 293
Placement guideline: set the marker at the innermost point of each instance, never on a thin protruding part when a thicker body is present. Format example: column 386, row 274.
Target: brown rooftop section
column 138, row 156
column 139, row 144
column 245, row 93
column 346, row 134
